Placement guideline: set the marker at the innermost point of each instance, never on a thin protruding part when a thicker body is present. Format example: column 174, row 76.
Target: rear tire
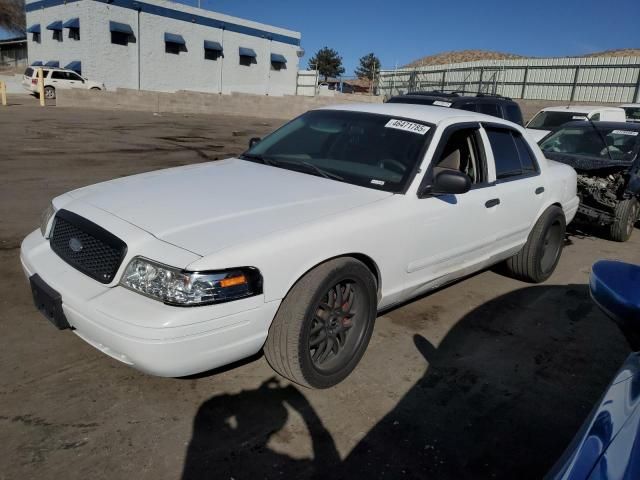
column 333, row 307
column 49, row 93
column 540, row 255
column 626, row 215
column 95, row 88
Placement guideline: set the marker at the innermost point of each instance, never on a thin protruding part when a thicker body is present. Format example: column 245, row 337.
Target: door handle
column 492, row 203
column 539, row 190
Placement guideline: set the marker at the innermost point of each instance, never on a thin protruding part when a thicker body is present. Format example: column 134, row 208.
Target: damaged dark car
column 606, row 157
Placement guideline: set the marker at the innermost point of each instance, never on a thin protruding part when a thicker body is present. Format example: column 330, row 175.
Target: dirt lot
column 489, row 378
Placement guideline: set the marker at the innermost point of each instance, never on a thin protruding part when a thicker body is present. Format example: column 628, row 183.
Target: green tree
column 369, row 67
column 12, row 15
column 327, row 62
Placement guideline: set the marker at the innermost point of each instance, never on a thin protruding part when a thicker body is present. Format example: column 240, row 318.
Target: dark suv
column 494, row 105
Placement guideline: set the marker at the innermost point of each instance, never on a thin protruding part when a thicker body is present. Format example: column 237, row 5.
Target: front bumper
column 144, row 333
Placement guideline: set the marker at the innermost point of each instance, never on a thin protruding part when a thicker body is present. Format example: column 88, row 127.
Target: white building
column 163, row 46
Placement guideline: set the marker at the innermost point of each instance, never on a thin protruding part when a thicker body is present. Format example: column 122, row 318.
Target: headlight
column 179, row 287
column 45, row 217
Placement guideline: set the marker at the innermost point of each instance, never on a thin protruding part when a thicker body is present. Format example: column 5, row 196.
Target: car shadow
column 501, row 397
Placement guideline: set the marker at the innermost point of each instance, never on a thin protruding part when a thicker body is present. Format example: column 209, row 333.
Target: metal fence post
column 636, row 93
column 480, row 81
column 444, row 78
column 524, row 81
column 575, row 82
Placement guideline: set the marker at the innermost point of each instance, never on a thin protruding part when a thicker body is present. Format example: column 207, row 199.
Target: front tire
column 540, row 255
column 324, row 324
column 625, row 217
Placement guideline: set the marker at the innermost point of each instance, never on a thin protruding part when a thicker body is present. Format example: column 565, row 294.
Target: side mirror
column 450, row 182
column 614, row 288
column 254, row 141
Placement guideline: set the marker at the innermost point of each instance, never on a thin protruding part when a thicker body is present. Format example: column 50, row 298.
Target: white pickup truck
column 297, row 244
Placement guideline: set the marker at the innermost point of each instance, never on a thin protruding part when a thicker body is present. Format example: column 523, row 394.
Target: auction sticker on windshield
column 625, row 132
column 407, row 126
column 440, row 103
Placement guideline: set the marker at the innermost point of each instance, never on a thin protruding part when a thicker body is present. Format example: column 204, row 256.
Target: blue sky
column 405, row 31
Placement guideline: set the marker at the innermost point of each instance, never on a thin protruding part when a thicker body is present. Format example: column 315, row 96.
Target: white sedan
column 297, row 244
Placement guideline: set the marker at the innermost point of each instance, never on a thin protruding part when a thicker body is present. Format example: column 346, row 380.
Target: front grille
column 86, row 246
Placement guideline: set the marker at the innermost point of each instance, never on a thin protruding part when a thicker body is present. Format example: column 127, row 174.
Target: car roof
column 457, row 98
column 621, row 125
column 421, row 113
column 579, row 108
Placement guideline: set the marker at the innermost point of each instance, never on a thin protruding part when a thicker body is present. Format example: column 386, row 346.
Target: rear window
column 552, row 120
column 489, row 109
column 513, row 113
column 28, row 72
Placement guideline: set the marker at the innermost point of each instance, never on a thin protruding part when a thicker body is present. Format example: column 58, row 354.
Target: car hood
column 206, row 207
column 536, row 134
column 582, row 163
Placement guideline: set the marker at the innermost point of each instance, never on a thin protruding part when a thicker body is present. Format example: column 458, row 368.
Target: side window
column 77, row 78
column 505, row 153
column 595, row 117
column 463, row 152
column 489, row 109
column 512, row 155
column 527, row 159
column 58, row 75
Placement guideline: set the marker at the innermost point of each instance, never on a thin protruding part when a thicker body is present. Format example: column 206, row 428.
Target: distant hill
column 475, row 55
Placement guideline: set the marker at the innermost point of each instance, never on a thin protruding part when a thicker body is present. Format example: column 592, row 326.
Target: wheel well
column 368, row 262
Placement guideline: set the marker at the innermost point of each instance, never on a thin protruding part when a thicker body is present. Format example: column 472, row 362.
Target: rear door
column 519, row 186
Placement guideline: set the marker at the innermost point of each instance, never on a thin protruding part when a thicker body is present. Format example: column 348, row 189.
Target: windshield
column 588, row 142
column 552, row 120
column 375, row 151
column 632, row 113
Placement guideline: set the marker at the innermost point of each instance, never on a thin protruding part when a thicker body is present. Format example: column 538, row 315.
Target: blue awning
column 209, row 45
column 120, row 27
column 72, row 23
column 277, row 58
column 174, row 38
column 52, row 63
column 35, row 28
column 55, row 25
column 37, row 64
column 247, row 52
column 76, row 66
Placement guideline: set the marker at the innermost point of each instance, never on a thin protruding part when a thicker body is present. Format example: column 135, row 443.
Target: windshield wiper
column 319, row 171
column 281, row 163
column 260, row 158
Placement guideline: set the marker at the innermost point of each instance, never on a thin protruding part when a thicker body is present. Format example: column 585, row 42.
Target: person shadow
column 231, row 434
column 501, row 396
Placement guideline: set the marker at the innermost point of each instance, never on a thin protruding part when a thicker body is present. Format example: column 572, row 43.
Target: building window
column 212, row 50
column 120, row 38
column 248, row 56
column 212, row 54
column 74, row 33
column 172, row 48
column 36, row 37
column 57, row 35
column 121, row 33
column 174, row 43
column 278, row 62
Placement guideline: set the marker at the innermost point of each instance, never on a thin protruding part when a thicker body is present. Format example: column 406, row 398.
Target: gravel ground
column 488, row 378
